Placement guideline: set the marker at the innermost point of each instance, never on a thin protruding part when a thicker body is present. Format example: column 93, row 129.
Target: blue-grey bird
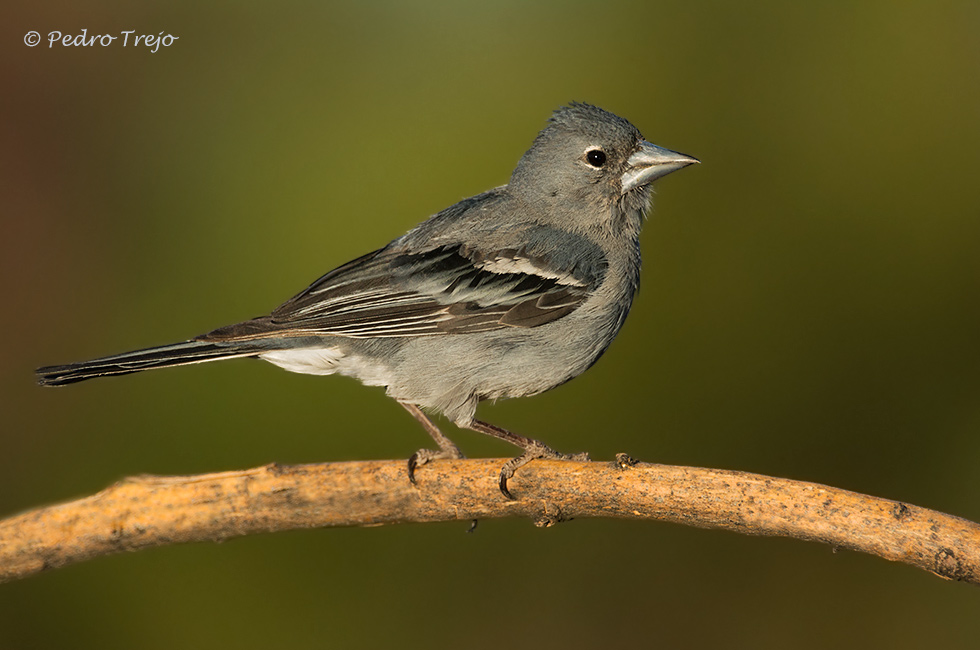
column 509, row 293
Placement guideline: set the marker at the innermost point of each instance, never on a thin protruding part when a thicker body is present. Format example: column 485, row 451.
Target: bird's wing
column 449, row 289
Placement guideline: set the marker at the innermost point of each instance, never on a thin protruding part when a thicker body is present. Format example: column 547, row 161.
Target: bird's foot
column 446, row 447
column 533, row 451
column 423, row 456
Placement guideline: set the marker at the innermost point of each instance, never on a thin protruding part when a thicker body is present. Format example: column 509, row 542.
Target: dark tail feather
column 178, row 354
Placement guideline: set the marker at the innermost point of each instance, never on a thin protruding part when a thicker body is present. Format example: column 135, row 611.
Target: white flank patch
column 326, row 361
column 309, row 361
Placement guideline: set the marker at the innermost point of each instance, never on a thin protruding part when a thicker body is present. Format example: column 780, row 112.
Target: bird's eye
column 596, row 157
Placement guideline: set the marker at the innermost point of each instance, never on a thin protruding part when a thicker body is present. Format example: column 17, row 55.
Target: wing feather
column 450, row 289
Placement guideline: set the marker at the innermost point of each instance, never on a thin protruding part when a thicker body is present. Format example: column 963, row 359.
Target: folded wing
column 451, row 289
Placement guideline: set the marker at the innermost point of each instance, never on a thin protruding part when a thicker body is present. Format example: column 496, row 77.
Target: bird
column 505, row 294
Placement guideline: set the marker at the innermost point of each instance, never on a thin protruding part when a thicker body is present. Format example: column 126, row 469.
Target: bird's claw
column 423, row 456
column 533, row 452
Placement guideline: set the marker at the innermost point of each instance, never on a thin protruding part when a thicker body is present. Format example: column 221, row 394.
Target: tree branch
column 151, row 511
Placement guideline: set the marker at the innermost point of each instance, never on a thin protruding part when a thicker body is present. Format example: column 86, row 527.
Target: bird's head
column 589, row 158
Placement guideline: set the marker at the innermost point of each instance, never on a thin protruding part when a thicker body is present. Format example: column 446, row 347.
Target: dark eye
column 596, row 157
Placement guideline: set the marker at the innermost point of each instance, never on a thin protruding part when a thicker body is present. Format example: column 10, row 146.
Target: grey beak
column 650, row 163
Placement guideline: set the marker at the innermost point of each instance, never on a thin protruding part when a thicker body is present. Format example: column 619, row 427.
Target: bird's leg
column 533, row 449
column 446, row 447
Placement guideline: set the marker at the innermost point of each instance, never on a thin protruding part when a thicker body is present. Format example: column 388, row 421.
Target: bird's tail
column 177, row 354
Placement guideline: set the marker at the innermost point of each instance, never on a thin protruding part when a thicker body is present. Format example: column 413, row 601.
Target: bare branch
column 154, row 511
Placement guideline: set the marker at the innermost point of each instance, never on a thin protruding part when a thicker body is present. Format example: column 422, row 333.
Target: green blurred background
column 810, row 306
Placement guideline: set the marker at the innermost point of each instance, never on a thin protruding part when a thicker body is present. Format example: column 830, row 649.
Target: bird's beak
column 650, row 163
